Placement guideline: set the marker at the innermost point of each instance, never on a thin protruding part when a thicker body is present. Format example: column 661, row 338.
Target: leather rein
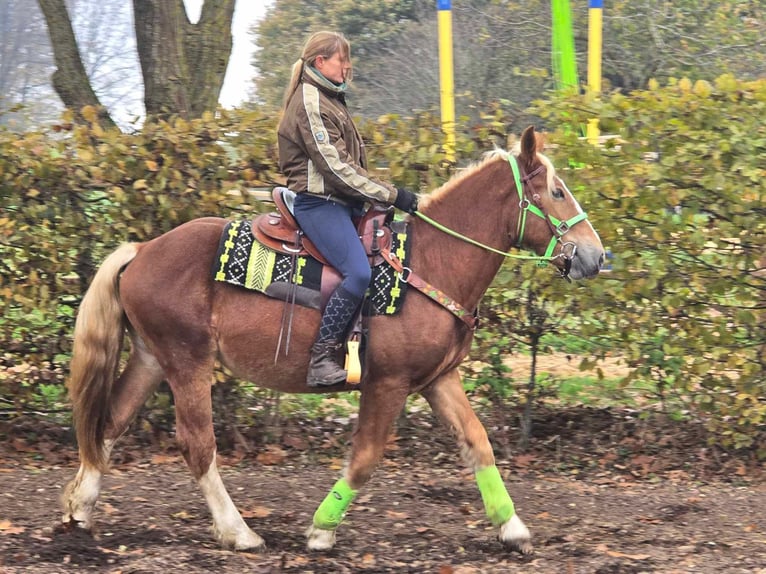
column 526, row 205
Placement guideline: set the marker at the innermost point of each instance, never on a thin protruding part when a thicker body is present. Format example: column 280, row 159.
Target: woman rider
column 322, row 156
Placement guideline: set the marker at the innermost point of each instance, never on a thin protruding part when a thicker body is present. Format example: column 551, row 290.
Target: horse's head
column 551, row 221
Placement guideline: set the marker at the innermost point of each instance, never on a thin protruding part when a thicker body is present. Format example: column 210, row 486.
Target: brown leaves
column 256, row 512
column 271, row 455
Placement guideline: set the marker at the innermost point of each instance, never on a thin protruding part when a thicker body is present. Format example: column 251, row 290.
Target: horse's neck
column 476, row 207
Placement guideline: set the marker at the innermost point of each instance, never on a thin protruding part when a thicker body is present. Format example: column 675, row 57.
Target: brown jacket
column 320, row 149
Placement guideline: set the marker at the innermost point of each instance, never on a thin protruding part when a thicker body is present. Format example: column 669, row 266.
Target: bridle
column 533, row 205
column 529, row 204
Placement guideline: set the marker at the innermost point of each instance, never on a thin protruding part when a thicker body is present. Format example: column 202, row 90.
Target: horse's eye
column 558, row 193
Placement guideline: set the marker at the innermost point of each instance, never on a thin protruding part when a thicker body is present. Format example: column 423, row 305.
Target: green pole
column 563, row 60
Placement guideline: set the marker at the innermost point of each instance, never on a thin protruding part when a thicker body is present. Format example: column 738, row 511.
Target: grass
column 592, row 391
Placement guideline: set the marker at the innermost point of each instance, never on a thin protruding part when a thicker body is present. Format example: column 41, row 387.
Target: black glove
column 406, row 201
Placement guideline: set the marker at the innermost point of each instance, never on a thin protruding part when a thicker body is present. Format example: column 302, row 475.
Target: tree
column 369, row 25
column 183, row 64
column 702, row 39
column 24, row 63
column 502, row 48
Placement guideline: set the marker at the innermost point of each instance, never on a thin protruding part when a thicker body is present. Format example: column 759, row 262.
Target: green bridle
column 558, row 228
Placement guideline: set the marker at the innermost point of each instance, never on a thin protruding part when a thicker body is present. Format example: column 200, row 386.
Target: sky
column 239, row 74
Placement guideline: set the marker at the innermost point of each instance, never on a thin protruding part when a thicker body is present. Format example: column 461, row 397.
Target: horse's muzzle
column 585, row 264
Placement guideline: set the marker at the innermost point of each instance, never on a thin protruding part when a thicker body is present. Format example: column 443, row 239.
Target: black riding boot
column 324, row 369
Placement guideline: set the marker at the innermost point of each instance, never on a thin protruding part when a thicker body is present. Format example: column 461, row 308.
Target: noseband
column 533, row 204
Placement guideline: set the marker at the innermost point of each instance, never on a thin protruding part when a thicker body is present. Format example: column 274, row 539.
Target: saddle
column 280, row 231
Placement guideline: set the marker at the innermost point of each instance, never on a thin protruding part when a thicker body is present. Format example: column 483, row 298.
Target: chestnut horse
column 180, row 322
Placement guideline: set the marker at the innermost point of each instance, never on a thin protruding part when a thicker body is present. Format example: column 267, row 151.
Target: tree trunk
column 70, row 79
column 183, row 64
column 208, row 48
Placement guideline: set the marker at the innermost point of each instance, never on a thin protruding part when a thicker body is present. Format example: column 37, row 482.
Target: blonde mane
column 492, row 155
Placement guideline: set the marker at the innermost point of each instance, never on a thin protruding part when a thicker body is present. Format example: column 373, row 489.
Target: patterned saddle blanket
column 245, row 261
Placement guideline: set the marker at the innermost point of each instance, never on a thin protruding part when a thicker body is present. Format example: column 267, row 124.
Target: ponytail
column 295, row 80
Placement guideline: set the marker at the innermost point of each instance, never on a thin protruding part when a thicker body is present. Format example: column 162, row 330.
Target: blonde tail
column 98, row 336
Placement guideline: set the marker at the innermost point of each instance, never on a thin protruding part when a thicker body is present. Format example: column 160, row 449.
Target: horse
column 179, row 321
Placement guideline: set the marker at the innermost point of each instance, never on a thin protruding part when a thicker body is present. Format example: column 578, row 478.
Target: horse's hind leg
column 140, row 378
column 447, row 399
column 196, row 439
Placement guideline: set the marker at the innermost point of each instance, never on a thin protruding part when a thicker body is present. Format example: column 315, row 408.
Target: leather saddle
column 280, row 231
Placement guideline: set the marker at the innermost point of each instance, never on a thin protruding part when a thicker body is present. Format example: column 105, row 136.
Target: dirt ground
column 603, row 492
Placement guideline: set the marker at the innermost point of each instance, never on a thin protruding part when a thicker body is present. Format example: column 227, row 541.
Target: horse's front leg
column 380, row 403
column 447, row 399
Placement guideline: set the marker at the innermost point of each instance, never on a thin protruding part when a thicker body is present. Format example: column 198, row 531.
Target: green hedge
column 678, row 197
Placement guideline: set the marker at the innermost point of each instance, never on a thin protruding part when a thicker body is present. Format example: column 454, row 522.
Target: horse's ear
column 530, row 144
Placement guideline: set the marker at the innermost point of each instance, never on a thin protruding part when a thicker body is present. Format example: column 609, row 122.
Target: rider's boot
column 324, row 369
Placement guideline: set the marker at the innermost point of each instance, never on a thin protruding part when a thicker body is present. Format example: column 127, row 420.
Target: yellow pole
column 595, row 23
column 447, row 88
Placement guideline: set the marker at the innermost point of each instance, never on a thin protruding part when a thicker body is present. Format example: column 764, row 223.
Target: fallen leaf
column 164, row 459
column 628, row 556
column 7, row 527
column 256, row 512
column 271, row 455
column 605, row 549
column 397, row 515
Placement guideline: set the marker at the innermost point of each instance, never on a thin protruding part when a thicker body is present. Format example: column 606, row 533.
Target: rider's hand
column 406, row 201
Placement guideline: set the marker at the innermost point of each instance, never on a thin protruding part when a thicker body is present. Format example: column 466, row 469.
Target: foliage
column 644, row 39
column 71, row 196
column 678, row 197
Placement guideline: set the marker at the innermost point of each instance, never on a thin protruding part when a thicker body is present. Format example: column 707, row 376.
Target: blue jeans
column 329, row 226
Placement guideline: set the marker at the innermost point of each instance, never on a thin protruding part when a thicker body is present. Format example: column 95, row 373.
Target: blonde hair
column 324, row 44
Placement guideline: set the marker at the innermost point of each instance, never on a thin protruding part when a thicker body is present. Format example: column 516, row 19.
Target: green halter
column 558, row 227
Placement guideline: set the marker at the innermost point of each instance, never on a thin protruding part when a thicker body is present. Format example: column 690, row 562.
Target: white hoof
column 320, row 539
column 78, row 520
column 242, row 539
column 515, row 535
column 79, row 498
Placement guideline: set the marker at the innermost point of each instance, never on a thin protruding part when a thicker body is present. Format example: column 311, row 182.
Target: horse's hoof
column 515, row 535
column 320, row 539
column 69, row 523
column 241, row 540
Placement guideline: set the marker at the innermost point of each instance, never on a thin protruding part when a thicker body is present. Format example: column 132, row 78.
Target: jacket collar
column 315, row 77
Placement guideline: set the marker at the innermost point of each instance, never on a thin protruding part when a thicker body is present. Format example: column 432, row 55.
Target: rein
column 558, row 229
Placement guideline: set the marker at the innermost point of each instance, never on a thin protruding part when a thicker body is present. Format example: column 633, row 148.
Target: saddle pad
column 242, row 261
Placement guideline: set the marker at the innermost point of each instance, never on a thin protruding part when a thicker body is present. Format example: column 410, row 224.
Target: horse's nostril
column 601, row 260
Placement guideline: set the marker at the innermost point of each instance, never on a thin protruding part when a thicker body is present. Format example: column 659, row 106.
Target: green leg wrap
column 497, row 502
column 333, row 508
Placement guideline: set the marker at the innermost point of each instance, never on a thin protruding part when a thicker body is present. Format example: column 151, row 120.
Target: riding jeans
column 329, row 226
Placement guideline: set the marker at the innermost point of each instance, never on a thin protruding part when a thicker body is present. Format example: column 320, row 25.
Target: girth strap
column 408, row 276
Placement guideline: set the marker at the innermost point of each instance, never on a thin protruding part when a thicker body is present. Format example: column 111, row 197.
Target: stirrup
column 353, row 365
